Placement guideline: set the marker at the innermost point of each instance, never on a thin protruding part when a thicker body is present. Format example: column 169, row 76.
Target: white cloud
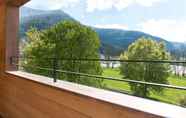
column 91, row 5
column 117, row 4
column 52, row 4
column 148, row 3
column 171, row 30
column 112, row 26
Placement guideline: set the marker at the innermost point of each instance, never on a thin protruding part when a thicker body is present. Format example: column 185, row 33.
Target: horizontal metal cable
column 123, row 80
column 109, row 60
column 108, row 78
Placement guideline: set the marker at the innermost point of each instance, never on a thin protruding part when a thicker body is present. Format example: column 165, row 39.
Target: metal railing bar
column 109, row 78
column 110, row 60
column 40, row 68
column 124, row 80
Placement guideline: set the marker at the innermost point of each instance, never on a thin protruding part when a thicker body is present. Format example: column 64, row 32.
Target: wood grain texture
column 12, row 35
column 25, row 98
column 16, row 2
column 2, row 35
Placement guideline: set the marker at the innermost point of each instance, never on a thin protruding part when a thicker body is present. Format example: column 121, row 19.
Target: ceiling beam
column 17, row 3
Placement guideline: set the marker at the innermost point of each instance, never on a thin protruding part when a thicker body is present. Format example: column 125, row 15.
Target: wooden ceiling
column 17, row 2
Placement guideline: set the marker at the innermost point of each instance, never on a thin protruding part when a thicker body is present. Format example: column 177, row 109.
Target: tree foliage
column 65, row 40
column 145, row 49
column 183, row 101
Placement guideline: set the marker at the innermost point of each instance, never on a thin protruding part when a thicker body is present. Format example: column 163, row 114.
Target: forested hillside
column 113, row 41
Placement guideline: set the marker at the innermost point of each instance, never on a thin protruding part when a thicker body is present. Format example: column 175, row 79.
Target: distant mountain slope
column 26, row 11
column 41, row 19
column 113, row 41
column 121, row 39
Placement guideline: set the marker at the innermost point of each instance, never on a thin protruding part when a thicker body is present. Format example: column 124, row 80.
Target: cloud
column 148, row 3
column 112, row 26
column 52, row 4
column 117, row 4
column 171, row 30
column 91, row 5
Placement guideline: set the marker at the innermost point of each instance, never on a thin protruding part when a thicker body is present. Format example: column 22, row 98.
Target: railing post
column 54, row 74
column 11, row 60
column 14, row 61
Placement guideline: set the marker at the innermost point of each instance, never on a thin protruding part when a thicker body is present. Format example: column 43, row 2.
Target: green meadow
column 171, row 96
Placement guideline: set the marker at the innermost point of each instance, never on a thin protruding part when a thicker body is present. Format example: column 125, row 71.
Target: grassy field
column 169, row 95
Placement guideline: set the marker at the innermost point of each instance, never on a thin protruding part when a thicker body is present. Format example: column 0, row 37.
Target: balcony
column 29, row 95
column 25, row 95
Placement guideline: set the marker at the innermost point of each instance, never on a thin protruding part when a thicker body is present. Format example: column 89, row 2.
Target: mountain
column 40, row 19
column 26, row 11
column 121, row 39
column 113, row 41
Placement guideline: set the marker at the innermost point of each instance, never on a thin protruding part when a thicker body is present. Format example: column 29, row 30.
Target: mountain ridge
column 116, row 40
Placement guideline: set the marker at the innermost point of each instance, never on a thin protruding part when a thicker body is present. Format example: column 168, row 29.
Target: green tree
column 65, row 40
column 145, row 49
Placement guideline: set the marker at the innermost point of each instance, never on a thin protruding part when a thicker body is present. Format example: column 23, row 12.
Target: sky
column 162, row 18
